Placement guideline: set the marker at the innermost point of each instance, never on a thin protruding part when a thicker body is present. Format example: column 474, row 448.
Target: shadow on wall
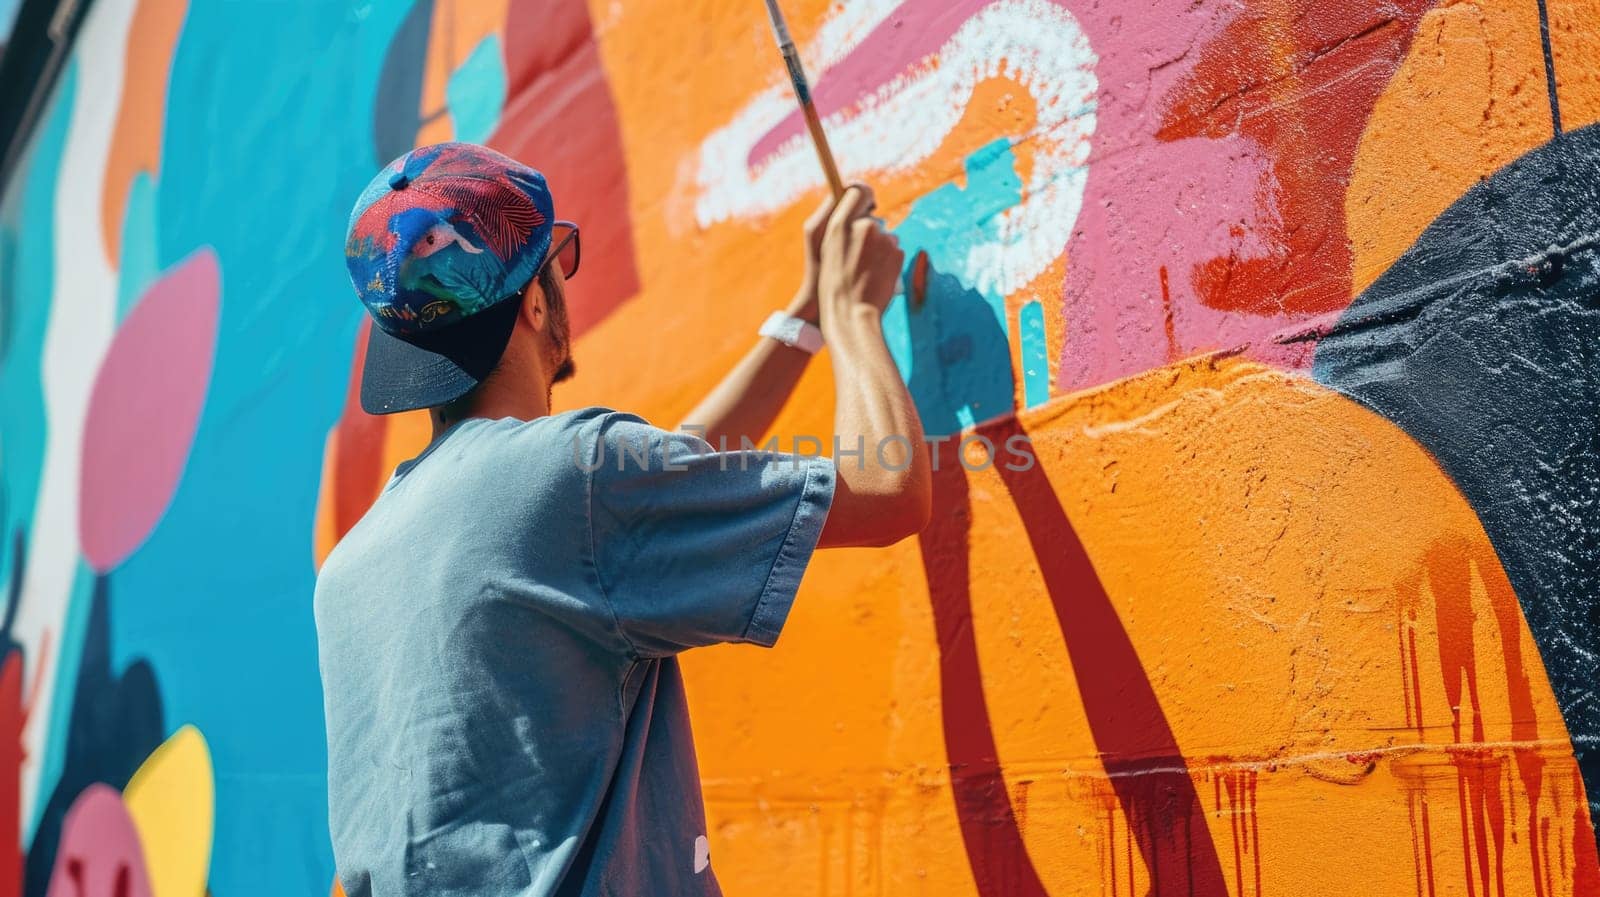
column 1143, row 762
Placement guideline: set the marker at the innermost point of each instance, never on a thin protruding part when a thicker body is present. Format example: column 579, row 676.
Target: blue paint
column 476, row 91
column 137, row 269
column 1035, row 355
column 27, row 279
column 261, row 160
column 953, row 350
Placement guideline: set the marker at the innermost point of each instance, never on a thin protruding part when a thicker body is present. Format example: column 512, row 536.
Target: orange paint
column 136, row 139
column 1474, row 84
column 457, row 28
column 1234, row 632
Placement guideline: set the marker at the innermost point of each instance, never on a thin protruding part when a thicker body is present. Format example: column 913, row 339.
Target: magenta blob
column 99, row 851
column 145, row 407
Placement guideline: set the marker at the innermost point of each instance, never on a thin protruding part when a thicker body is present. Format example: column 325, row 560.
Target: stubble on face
column 560, row 330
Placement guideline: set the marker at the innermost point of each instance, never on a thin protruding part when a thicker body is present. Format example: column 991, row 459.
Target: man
column 497, row 635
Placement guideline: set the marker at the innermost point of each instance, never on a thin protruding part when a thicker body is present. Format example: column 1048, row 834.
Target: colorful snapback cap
column 439, row 247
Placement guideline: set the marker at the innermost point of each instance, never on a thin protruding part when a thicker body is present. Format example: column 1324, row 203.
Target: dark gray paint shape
column 1482, row 341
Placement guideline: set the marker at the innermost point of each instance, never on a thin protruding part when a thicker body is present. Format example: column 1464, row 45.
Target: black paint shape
column 396, row 107
column 116, row 723
column 1483, row 343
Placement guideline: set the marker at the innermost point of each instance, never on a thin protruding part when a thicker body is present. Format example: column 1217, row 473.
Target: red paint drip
column 1166, row 317
column 1485, row 787
column 1585, row 871
column 1255, row 833
column 1427, row 843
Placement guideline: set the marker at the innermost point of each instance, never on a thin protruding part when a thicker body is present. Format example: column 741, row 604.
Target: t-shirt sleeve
column 694, row 546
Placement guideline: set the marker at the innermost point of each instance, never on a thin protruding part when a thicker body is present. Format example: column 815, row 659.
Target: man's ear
column 535, row 310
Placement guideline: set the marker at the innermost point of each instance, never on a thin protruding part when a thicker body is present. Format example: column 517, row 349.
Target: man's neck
column 494, row 402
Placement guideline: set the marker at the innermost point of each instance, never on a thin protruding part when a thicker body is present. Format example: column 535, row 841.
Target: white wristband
column 794, row 332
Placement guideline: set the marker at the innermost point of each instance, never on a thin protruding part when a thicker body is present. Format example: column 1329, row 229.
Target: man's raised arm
column 883, row 493
column 746, row 402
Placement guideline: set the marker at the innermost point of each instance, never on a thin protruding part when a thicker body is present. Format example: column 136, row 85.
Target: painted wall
column 1295, row 299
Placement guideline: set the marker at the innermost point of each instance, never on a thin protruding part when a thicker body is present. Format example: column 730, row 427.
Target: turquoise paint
column 476, row 91
column 953, row 350
column 267, row 142
column 137, row 269
column 27, row 236
column 1035, row 355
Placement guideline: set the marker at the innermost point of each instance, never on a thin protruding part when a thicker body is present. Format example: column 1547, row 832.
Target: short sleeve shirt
column 498, row 640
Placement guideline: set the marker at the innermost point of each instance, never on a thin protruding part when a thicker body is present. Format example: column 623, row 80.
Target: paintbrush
column 802, row 92
column 819, row 139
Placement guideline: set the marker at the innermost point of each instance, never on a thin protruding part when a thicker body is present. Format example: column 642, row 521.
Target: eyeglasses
column 565, row 249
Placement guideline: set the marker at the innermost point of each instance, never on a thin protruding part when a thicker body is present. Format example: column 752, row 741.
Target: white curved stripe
column 902, row 123
column 82, row 318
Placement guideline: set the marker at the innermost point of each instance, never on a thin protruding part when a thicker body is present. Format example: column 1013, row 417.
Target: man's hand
column 804, row 305
column 883, row 491
column 859, row 260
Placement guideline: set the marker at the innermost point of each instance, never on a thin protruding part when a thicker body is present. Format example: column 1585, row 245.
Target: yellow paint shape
column 172, row 802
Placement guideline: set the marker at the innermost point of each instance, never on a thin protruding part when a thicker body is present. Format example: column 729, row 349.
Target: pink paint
column 913, row 32
column 1221, row 155
column 144, row 409
column 99, row 852
column 1151, row 205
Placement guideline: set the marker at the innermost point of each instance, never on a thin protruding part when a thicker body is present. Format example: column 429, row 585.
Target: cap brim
column 435, row 368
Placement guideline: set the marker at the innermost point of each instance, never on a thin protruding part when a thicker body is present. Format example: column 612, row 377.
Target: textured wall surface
column 1297, row 300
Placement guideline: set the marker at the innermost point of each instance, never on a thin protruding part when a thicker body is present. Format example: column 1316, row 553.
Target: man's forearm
column 746, row 401
column 883, row 494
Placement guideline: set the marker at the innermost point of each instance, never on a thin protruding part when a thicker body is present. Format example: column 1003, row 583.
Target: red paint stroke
column 145, row 407
column 561, row 118
column 358, row 473
column 12, row 719
column 1302, row 89
column 989, row 829
column 1137, row 747
column 15, row 711
column 1224, row 139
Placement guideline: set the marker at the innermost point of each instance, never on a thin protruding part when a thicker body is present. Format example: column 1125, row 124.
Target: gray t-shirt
column 497, row 638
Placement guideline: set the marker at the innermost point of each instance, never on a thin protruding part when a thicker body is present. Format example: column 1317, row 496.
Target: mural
column 1294, row 300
